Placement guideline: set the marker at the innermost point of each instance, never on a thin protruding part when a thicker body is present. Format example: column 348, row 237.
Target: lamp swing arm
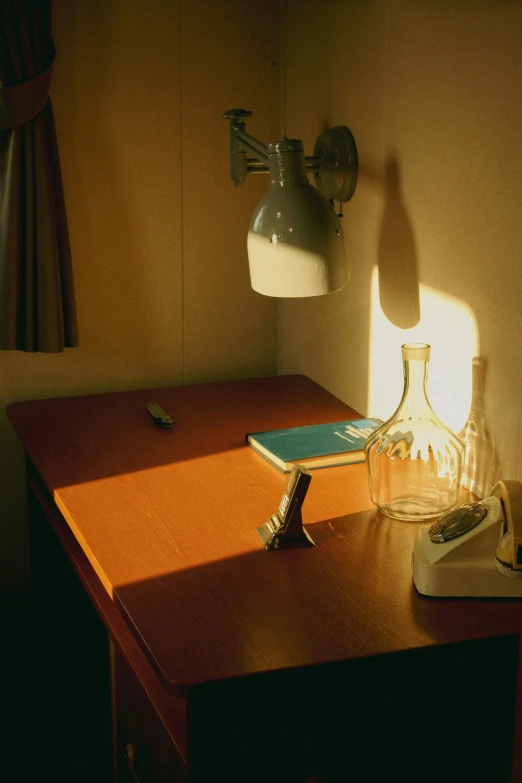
column 256, row 166
column 245, row 141
column 334, row 162
column 242, row 142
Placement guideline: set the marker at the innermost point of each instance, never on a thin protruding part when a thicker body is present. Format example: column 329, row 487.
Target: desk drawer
column 150, row 753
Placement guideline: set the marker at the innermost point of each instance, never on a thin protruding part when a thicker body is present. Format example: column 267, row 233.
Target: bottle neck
column 415, row 397
column 478, row 378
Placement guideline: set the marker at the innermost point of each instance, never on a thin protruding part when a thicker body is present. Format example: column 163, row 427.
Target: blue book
column 314, row 446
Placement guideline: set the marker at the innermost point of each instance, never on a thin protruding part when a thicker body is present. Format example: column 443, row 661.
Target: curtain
column 37, row 305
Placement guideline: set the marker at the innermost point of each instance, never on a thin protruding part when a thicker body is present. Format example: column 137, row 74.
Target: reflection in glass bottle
column 414, row 461
column 481, row 461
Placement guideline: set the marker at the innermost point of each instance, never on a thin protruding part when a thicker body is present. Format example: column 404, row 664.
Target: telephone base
column 463, row 563
column 463, row 580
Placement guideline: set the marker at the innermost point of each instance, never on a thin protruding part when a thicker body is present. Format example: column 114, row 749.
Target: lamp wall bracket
column 338, row 164
column 334, row 163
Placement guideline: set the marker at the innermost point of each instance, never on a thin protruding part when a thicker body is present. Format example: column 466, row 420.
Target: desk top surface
column 167, row 519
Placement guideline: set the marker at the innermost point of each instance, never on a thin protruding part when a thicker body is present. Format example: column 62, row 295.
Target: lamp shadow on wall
column 397, row 254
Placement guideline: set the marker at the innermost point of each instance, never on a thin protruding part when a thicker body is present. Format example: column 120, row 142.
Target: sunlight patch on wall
column 449, row 326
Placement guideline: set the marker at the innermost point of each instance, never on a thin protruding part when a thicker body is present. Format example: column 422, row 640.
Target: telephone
column 474, row 550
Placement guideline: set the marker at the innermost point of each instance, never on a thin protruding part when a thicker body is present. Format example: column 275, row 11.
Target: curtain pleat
column 37, row 304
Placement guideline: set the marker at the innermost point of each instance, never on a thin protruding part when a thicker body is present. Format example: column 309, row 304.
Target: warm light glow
column 155, row 482
column 449, row 326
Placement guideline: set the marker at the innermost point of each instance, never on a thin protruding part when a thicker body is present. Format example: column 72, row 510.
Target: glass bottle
column 480, row 469
column 414, row 461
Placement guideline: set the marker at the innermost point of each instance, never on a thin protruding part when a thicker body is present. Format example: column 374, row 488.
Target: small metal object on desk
column 161, row 419
column 285, row 529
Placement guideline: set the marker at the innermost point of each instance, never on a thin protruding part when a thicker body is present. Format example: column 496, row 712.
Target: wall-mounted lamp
column 295, row 240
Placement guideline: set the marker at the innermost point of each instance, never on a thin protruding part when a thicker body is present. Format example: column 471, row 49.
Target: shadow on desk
column 422, row 715
column 294, row 666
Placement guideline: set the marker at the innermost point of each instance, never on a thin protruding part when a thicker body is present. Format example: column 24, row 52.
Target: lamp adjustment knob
column 237, row 115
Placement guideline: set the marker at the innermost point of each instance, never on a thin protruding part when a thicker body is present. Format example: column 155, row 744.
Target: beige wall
column 158, row 231
column 431, row 93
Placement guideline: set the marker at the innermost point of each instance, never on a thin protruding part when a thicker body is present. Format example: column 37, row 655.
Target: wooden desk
column 263, row 666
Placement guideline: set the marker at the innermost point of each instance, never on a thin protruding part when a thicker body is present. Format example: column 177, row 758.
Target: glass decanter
column 414, row 461
column 480, row 470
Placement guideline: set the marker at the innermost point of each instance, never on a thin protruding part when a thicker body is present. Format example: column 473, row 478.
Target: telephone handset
column 474, row 550
column 509, row 549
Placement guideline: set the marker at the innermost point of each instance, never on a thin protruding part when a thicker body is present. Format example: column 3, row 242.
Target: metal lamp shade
column 295, row 241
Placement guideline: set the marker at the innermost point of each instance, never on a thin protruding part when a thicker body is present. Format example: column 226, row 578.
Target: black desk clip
column 285, row 529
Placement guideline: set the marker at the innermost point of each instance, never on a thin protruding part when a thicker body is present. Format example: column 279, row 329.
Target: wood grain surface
column 167, row 520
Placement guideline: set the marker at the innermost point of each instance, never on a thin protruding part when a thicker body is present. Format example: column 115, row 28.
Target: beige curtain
column 37, row 306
